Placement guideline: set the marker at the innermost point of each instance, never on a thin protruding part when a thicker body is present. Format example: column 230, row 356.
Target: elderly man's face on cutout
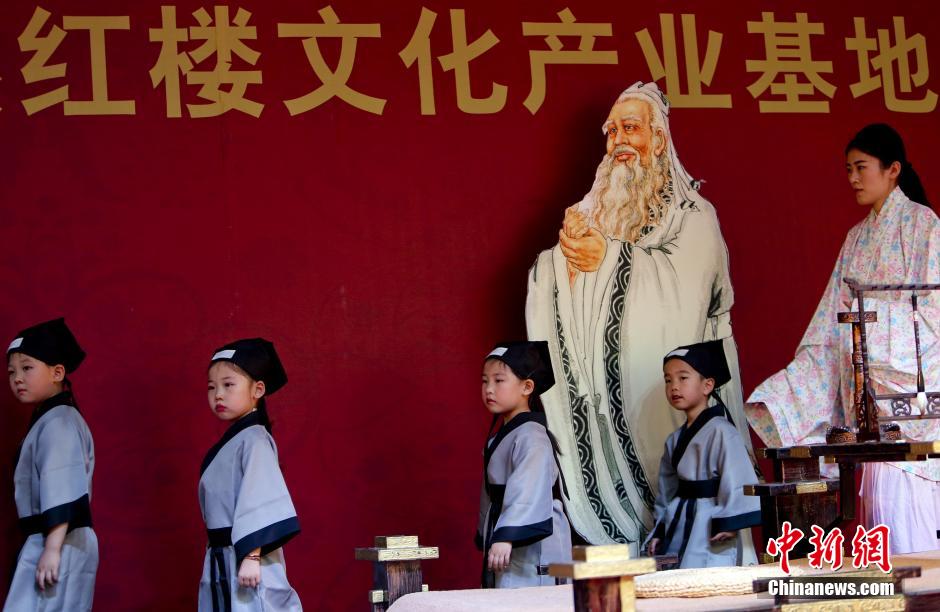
column 629, row 133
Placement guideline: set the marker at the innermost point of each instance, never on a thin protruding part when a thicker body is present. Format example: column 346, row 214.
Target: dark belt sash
column 689, row 490
column 496, row 494
column 219, row 584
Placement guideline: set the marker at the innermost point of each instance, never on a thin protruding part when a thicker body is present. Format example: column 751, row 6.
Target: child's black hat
column 51, row 342
column 257, row 357
column 527, row 360
column 707, row 358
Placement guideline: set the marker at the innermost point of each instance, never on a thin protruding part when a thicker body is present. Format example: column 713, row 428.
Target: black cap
column 51, row 342
column 527, row 360
column 706, row 358
column 257, row 357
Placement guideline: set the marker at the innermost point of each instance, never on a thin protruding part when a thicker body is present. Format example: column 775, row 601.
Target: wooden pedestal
column 396, row 568
column 603, row 577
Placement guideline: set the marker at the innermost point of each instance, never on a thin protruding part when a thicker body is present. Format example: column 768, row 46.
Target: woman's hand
column 499, row 556
column 653, row 545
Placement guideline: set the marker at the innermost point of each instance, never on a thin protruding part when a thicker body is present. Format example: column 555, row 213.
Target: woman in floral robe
column 897, row 242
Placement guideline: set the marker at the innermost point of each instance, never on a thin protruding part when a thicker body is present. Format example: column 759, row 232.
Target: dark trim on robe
column 525, row 534
column 268, row 538
column 60, row 399
column 659, row 531
column 478, row 541
column 687, row 433
column 507, row 428
column 76, row 513
column 736, row 522
column 252, row 418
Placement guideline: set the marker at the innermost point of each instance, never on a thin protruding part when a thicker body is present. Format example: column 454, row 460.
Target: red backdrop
column 383, row 254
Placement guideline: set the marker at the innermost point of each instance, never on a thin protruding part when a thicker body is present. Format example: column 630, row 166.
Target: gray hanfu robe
column 701, row 478
column 52, row 485
column 520, row 503
column 245, row 505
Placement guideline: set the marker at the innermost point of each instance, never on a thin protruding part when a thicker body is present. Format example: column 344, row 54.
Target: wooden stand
column 798, row 494
column 825, row 502
column 396, row 568
column 603, row 577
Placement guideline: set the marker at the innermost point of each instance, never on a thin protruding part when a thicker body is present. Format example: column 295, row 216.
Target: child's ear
column 259, row 390
column 528, row 386
column 709, row 386
column 58, row 373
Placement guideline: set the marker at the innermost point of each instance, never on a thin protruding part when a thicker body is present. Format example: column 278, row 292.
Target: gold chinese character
column 334, row 81
column 171, row 61
column 667, row 64
column 888, row 55
column 585, row 53
column 99, row 103
column 44, row 46
column 419, row 49
column 787, row 46
column 36, row 69
column 224, row 40
column 459, row 61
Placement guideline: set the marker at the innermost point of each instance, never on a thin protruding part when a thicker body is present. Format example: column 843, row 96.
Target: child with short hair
column 522, row 523
column 701, row 507
column 56, row 567
column 244, row 500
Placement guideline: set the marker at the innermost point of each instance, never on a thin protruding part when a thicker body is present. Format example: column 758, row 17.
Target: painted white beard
column 627, row 197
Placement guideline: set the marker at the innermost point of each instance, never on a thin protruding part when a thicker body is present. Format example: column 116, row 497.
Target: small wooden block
column 666, row 562
column 799, row 470
column 378, row 596
column 608, row 552
column 383, row 555
column 852, row 317
column 396, row 541
column 772, row 489
column 627, row 592
column 581, row 570
column 924, row 448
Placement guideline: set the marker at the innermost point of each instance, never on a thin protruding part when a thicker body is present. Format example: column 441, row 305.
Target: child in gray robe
column 522, row 524
column 245, row 503
column 701, row 507
column 56, row 568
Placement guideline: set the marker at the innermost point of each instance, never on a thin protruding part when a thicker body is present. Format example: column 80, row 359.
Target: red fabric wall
column 383, row 254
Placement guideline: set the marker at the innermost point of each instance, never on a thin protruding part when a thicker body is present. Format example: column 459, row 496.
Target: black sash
column 219, row 539
column 689, row 491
